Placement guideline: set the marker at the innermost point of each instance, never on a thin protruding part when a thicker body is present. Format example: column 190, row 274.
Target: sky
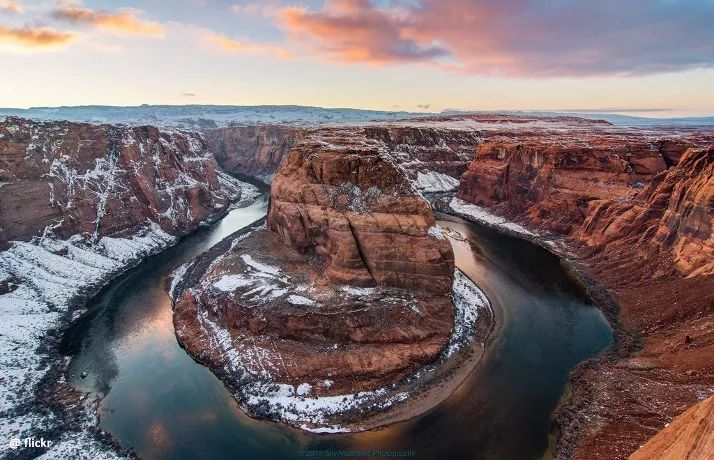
column 644, row 57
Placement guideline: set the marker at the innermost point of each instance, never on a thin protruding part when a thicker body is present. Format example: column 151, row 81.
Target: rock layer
column 636, row 210
column 251, row 150
column 348, row 206
column 690, row 436
column 103, row 180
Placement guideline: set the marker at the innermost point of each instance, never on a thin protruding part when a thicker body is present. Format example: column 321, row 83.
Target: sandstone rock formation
column 103, row 180
column 344, row 306
column 350, row 207
column 634, row 209
column 251, row 150
column 690, row 436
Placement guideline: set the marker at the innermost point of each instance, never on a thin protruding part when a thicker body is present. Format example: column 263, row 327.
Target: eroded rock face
column 350, row 208
column 689, row 436
column 346, row 304
column 103, row 180
column 252, row 150
column 634, row 211
column 550, row 177
column 674, row 213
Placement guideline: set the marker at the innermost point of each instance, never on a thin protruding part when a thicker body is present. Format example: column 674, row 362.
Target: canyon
column 351, row 279
column 630, row 209
column 81, row 204
column 334, row 313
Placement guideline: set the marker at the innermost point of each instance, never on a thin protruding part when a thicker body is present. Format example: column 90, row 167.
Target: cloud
column 248, row 8
column 519, row 38
column 355, row 31
column 41, row 38
column 11, row 6
column 125, row 21
column 232, row 46
column 423, row 106
column 188, row 94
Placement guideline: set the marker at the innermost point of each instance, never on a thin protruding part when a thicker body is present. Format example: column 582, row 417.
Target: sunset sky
column 649, row 57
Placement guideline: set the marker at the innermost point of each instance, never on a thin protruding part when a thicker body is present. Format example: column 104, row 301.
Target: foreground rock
column 345, row 307
column 80, row 204
column 689, row 436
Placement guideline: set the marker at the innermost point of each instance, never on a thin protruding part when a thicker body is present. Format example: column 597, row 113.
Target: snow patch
column 300, row 300
column 432, row 181
column 436, row 232
column 486, row 217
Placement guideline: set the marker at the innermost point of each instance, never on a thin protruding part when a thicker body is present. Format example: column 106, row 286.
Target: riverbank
column 47, row 285
column 568, row 414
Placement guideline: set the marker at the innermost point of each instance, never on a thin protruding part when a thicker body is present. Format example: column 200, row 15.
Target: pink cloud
column 125, row 21
column 32, row 39
column 11, row 6
column 354, row 31
column 232, row 46
column 513, row 37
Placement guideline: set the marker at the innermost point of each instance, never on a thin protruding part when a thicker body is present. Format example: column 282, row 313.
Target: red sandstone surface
column 104, row 180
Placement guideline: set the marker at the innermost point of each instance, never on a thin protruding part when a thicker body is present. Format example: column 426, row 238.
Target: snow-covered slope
column 81, row 204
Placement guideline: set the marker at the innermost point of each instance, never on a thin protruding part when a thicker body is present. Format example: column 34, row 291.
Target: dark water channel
column 159, row 402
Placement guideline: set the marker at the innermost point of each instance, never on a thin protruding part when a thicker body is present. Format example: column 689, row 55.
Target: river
column 162, row 404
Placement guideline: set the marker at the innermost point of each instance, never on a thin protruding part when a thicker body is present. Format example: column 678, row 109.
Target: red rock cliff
column 103, row 180
column 636, row 209
column 347, row 203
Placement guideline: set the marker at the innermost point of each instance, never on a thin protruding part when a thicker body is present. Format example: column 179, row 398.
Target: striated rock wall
column 102, row 180
column 349, row 205
column 636, row 210
column 690, row 436
column 251, row 150
column 673, row 213
column 552, row 178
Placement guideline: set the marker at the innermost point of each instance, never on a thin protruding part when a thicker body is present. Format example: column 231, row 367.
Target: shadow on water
column 164, row 405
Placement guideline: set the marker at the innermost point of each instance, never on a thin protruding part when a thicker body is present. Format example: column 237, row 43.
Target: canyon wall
column 340, row 197
column 251, row 150
column 102, row 180
column 79, row 205
column 433, row 158
column 635, row 210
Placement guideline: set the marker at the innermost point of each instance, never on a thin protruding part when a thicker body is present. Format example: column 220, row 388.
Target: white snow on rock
column 300, row 300
column 266, row 282
column 297, row 405
column 269, row 269
column 53, row 277
column 432, row 181
column 198, row 117
column 229, row 283
column 357, row 291
column 50, row 278
column 486, row 217
column 468, row 300
column 436, row 232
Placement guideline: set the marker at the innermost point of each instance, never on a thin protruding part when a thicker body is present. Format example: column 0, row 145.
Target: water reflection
column 164, row 405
